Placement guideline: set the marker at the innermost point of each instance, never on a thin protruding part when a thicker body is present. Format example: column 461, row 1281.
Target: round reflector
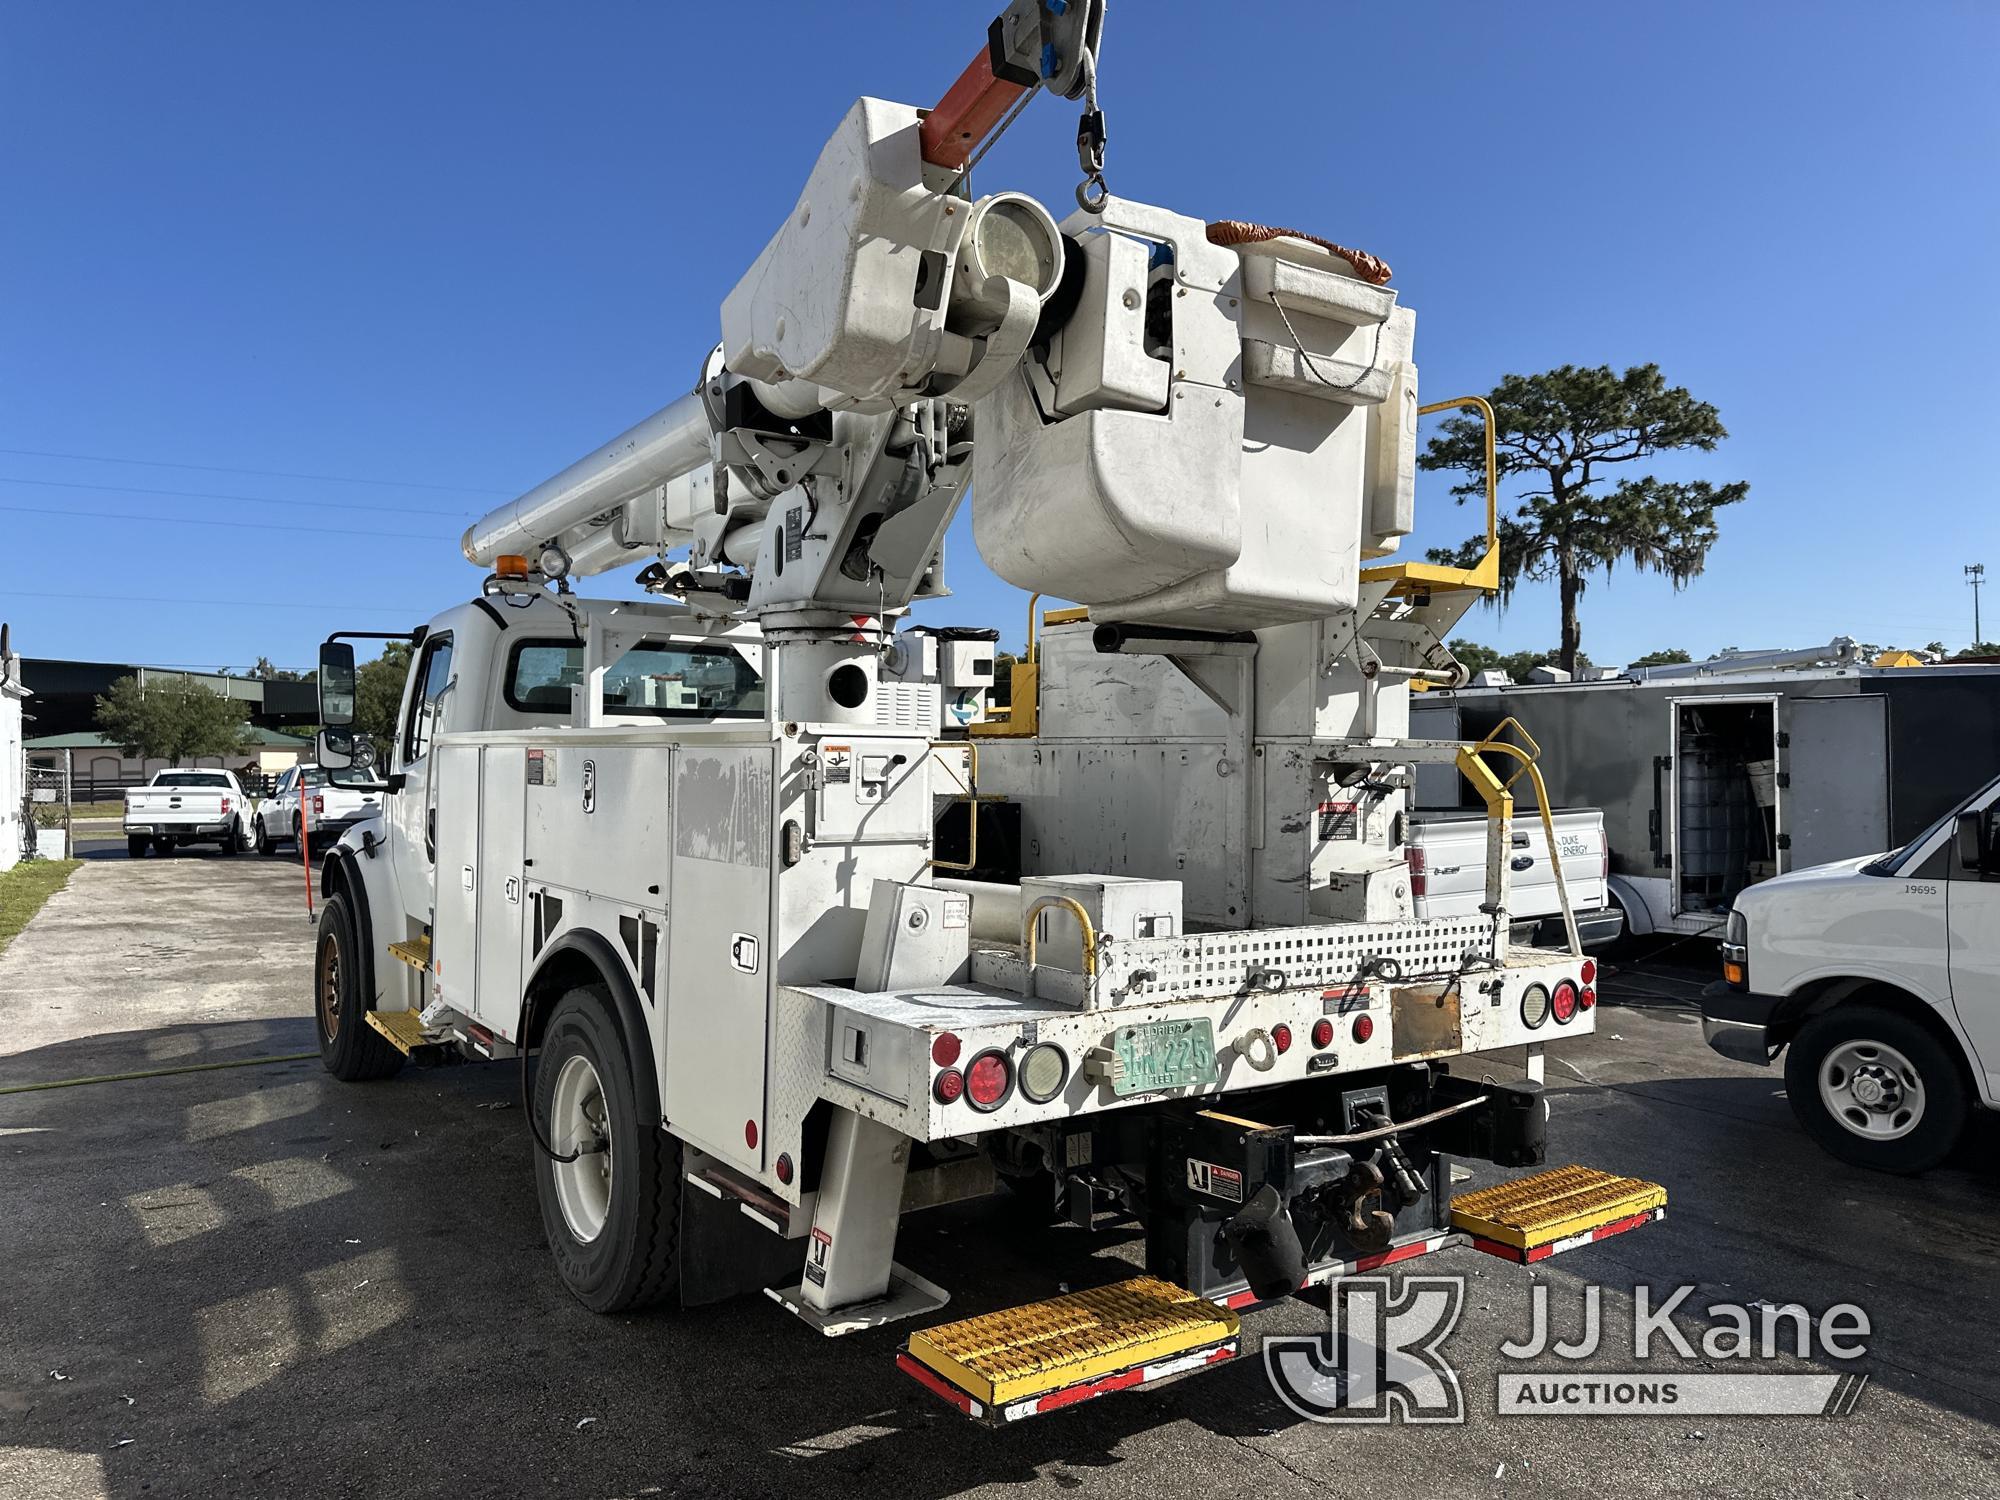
column 1563, row 1003
column 1044, row 1070
column 1534, row 1006
column 944, row 1051
column 785, row 1169
column 988, row 1080
column 950, row 1084
column 1281, row 1037
column 1590, row 971
column 1322, row 1032
column 1364, row 1028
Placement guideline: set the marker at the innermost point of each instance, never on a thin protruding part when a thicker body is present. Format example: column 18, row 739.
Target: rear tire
column 349, row 1048
column 612, row 1218
column 135, row 845
column 1876, row 1089
column 229, row 843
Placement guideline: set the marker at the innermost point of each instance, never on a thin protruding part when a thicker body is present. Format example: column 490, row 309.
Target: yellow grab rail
column 1075, row 908
column 1483, row 575
column 1498, row 796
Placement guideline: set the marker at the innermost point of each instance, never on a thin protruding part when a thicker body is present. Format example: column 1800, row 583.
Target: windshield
column 660, row 679
column 191, row 778
column 1892, row 862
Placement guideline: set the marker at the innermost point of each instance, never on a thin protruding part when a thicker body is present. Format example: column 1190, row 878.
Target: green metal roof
column 252, row 737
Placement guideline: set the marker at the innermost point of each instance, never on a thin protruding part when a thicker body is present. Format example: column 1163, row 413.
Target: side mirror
column 336, row 685
column 348, row 758
column 335, row 750
column 1971, row 841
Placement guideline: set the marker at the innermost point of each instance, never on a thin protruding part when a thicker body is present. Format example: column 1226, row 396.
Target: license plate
column 1163, row 1055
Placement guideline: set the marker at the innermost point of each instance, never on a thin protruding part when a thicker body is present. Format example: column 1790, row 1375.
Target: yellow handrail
column 1075, row 907
column 1483, row 575
column 1499, row 798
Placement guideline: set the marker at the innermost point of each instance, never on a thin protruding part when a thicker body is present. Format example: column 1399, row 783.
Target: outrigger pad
column 1027, row 1360
column 1532, row 1218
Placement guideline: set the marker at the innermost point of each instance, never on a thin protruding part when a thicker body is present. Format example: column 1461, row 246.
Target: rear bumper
column 1595, row 929
column 1736, row 1023
column 180, row 830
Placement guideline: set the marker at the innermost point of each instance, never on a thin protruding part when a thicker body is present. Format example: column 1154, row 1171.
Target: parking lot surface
column 259, row 1281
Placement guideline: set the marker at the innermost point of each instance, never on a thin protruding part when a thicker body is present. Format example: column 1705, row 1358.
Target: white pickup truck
column 1447, row 858
column 304, row 797
column 186, row 807
column 1881, row 975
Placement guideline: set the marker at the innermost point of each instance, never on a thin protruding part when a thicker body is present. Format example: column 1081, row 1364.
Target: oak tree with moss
column 1563, row 435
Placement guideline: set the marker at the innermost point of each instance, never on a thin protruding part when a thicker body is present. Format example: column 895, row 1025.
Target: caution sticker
column 1214, row 1181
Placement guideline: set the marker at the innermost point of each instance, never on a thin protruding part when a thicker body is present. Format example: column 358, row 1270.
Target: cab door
column 1972, row 897
column 413, row 810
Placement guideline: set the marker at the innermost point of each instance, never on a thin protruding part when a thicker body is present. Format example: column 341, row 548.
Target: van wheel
column 612, row 1216
column 135, row 846
column 1876, row 1089
column 351, row 1049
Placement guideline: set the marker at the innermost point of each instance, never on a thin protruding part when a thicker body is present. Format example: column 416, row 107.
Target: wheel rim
column 1872, row 1089
column 329, row 987
column 580, row 1117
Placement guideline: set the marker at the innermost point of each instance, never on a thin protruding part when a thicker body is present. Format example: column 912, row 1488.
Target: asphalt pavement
column 259, row 1281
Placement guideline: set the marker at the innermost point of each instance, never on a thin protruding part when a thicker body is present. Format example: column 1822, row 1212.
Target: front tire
column 1876, row 1089
column 612, row 1216
column 261, row 839
column 349, row 1048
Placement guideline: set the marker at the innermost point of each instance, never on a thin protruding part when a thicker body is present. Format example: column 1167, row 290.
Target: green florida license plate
column 1163, row 1055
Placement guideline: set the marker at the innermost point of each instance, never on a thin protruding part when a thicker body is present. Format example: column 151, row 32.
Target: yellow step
column 416, row 952
column 1533, row 1213
column 1002, row 1357
column 403, row 1028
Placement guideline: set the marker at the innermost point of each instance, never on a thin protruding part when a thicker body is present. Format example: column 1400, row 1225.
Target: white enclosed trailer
column 688, row 852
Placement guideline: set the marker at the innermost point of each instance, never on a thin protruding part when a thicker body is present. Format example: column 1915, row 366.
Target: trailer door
column 1836, row 786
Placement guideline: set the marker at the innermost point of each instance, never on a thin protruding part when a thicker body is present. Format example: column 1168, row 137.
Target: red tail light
column 319, row 804
column 988, row 1080
column 1281, row 1037
column 225, row 804
column 1364, row 1028
column 1589, row 998
column 1563, row 1003
column 1413, row 856
column 950, row 1085
column 1322, row 1032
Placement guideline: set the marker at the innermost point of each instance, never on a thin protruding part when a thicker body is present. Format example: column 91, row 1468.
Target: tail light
column 319, row 804
column 989, row 1078
column 950, row 1085
column 1281, row 1037
column 225, row 804
column 1413, row 856
column 1364, row 1028
column 1322, row 1032
column 1588, row 999
column 1563, row 1002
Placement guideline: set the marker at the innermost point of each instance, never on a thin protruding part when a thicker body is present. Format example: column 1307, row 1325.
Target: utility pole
column 1975, row 574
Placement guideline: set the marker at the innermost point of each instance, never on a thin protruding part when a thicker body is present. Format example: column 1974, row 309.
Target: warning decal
column 1214, row 1181
column 1339, row 820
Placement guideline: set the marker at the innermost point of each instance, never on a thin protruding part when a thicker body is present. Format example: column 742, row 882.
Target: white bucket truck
column 685, row 851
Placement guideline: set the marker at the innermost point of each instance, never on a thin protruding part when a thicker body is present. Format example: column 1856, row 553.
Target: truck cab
column 1879, row 979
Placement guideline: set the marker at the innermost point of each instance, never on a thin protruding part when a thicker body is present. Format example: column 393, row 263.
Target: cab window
column 657, row 679
column 433, row 676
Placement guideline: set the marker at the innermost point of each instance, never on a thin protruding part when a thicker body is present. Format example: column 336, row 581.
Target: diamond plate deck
column 1531, row 1212
column 1003, row 1357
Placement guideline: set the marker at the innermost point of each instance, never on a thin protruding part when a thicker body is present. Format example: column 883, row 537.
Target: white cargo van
column 1882, row 976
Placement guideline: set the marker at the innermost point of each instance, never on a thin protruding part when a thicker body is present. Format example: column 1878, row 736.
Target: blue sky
column 392, row 243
